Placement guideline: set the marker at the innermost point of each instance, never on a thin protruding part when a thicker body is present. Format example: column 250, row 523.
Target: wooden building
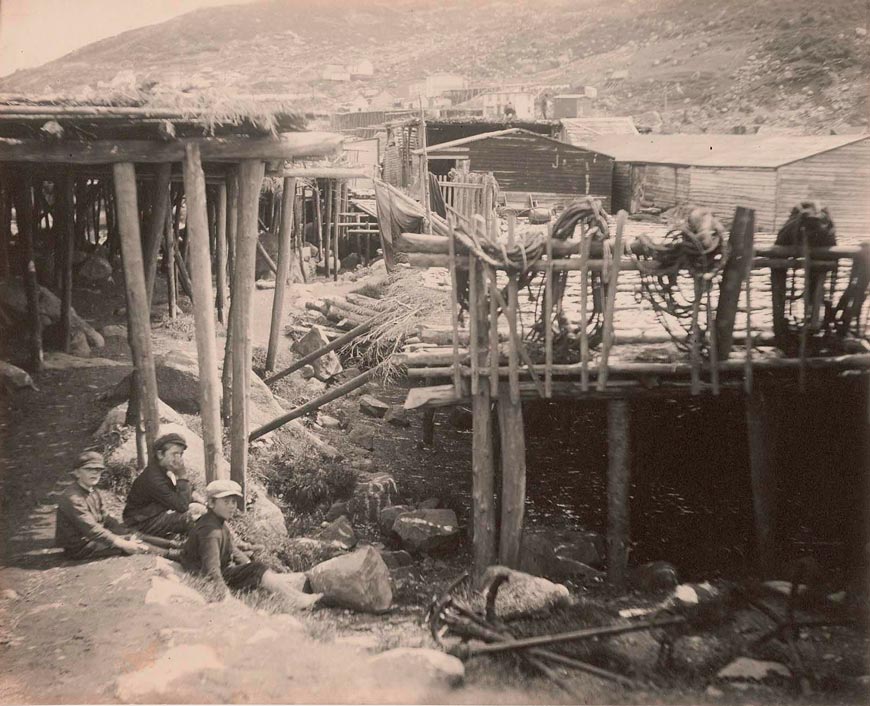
column 581, row 131
column 769, row 173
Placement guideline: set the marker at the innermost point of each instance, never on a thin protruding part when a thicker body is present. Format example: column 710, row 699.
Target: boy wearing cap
column 159, row 502
column 85, row 530
column 210, row 551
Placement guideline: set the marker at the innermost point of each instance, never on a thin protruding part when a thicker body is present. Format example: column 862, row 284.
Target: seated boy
column 85, row 530
column 159, row 502
column 210, row 551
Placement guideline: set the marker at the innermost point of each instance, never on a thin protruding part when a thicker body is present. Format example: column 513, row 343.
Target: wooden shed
column 527, row 163
column 768, row 173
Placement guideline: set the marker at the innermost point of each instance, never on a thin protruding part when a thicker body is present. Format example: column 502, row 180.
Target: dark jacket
column 209, row 549
column 82, row 518
column 153, row 493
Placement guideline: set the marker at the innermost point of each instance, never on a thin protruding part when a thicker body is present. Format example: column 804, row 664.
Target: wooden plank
column 618, row 491
column 454, row 308
column 585, row 241
column 513, row 488
column 610, row 304
column 473, row 320
column 762, row 478
column 250, row 180
column 336, row 208
column 742, row 229
column 138, row 319
column 288, row 198
column 169, row 249
column 548, row 317
column 483, row 484
column 493, row 330
column 318, row 216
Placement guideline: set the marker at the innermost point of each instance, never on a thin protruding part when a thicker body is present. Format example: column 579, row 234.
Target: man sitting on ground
column 159, row 502
column 211, row 552
column 85, row 529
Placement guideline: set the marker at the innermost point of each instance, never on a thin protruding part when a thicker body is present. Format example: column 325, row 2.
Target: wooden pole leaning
column 66, row 199
column 203, row 312
column 250, row 180
column 138, row 318
column 285, row 255
column 762, row 477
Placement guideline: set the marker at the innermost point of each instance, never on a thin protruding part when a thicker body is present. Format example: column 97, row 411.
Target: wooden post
column 318, row 214
column 285, row 255
column 203, row 312
column 250, row 180
column 232, row 182
column 232, row 231
column 513, row 471
column 741, row 245
column 758, row 428
column 139, row 325
column 336, row 217
column 169, row 250
column 618, row 490
column 24, row 213
column 327, row 227
column 156, row 224
column 221, row 254
column 65, row 196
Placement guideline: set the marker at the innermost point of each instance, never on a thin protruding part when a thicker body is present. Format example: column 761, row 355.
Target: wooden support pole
column 327, row 228
column 169, row 250
column 203, row 312
column 24, row 215
column 5, row 223
column 454, row 310
column 156, row 222
column 610, row 304
column 250, row 180
column 741, row 243
column 336, row 209
column 221, row 254
column 318, row 219
column 138, row 320
column 763, row 481
column 618, row 490
column 65, row 195
column 513, row 472
column 285, row 255
column 483, row 483
column 232, row 182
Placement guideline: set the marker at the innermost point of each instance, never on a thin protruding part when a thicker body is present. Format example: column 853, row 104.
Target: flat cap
column 222, row 489
column 90, row 459
column 167, row 439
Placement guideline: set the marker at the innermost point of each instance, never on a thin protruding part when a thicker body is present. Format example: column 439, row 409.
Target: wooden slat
column 610, row 304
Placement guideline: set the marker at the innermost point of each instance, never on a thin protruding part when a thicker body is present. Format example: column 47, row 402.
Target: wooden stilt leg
column 156, row 223
column 285, row 255
column 221, row 253
column 483, row 482
column 169, row 251
column 327, row 228
column 66, row 232
column 513, row 471
column 250, row 179
column 24, row 214
column 618, row 489
column 137, row 297
column 762, row 477
column 232, row 230
column 336, row 219
column 206, row 348
column 318, row 215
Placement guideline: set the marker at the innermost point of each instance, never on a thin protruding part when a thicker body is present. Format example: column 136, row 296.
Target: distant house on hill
column 362, row 70
column 436, row 84
column 580, row 131
column 768, row 173
column 495, row 103
column 573, row 105
column 335, row 72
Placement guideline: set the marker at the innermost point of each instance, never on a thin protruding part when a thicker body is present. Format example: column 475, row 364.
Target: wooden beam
column 288, row 145
column 169, row 250
column 513, row 473
column 250, row 180
column 221, row 254
column 762, row 478
column 156, row 225
column 203, row 313
column 24, row 215
column 232, row 239
column 733, row 276
column 138, row 320
column 325, row 173
column 618, row 490
column 285, row 255
column 483, row 483
column 65, row 196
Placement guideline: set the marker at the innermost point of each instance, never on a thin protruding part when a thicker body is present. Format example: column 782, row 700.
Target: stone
column 8, row 594
column 328, row 422
column 351, row 262
column 265, row 284
column 699, row 654
column 373, row 492
column 326, row 366
column 78, row 344
column 429, row 504
column 95, row 268
column 55, row 360
column 523, row 594
column 373, row 407
column 339, row 531
column 427, row 531
column 13, row 378
column 563, row 569
column 336, row 510
column 654, row 576
column 175, row 663
column 397, row 559
column 362, row 436
column 398, row 417
column 861, row 31
column 387, row 517
column 542, row 552
column 114, row 331
column 302, row 553
column 360, row 581
column 747, row 669
column 117, row 417
column 433, row 666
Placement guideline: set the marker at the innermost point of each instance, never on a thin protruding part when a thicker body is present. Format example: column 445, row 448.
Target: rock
column 340, row 531
column 429, row 504
column 714, row 693
column 360, row 581
column 302, row 553
column 861, row 31
column 427, row 531
column 55, row 360
column 307, row 372
column 373, row 407
column 398, row 417
column 542, row 552
column 523, row 594
column 8, row 594
column 397, row 559
column 328, row 422
column 163, row 591
column 387, row 517
column 436, row 667
column 95, row 268
column 351, row 262
column 265, row 284
column 336, row 510
column 747, row 669
column 362, row 436
column 78, row 344
column 117, row 416
column 636, row 652
column 114, row 331
column 175, row 663
column 373, row 492
column 325, row 367
column 563, row 569
column 699, row 654
column 654, row 576
column 13, row 378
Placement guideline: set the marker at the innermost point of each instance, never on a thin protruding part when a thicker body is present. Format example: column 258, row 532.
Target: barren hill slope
column 702, row 65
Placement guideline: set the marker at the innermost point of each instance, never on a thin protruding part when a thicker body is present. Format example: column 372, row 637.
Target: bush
column 307, row 484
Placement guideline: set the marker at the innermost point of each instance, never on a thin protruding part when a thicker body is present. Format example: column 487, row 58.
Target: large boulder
column 654, row 576
column 433, row 666
column 372, row 493
column 360, row 581
column 13, row 378
column 117, row 417
column 326, row 366
column 427, row 531
column 95, row 268
column 555, row 554
column 387, row 517
column 339, row 531
column 373, row 407
column 523, row 594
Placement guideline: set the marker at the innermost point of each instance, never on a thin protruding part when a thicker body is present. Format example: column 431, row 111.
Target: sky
column 33, row 32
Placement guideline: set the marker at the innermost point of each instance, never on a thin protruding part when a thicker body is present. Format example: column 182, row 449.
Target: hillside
column 701, row 66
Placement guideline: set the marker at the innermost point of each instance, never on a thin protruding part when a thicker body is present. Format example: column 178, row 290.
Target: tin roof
column 579, row 131
column 746, row 151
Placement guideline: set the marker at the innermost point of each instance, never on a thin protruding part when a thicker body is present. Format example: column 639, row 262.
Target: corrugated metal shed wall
column 621, row 196
column 526, row 162
column 840, row 179
column 722, row 190
column 663, row 185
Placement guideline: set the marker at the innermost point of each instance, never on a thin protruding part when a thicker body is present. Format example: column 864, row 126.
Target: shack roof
column 578, row 131
column 739, row 151
column 462, row 142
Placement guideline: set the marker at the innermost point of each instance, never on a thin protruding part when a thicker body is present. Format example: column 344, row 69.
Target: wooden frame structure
column 119, row 174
